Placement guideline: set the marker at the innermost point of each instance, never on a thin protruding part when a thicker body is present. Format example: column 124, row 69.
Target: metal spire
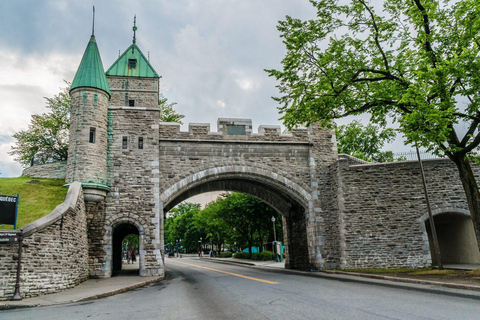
column 93, row 23
column 134, row 30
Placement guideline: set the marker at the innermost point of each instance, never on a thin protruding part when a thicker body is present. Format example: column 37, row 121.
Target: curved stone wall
column 55, row 251
column 55, row 170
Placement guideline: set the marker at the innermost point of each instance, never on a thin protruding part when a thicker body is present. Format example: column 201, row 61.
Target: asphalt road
column 199, row 289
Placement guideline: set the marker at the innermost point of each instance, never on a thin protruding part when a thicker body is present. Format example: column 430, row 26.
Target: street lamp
column 200, row 244
column 176, row 246
column 274, row 234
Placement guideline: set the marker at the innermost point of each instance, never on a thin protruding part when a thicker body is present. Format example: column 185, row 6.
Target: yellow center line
column 229, row 273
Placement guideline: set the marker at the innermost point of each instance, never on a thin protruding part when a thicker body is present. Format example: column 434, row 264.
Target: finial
column 134, row 28
column 93, row 23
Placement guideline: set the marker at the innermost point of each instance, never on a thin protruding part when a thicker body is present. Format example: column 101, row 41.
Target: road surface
column 202, row 289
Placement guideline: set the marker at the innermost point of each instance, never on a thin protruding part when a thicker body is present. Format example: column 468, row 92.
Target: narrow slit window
column 140, row 143
column 124, row 143
column 132, row 63
column 131, row 103
column 91, row 137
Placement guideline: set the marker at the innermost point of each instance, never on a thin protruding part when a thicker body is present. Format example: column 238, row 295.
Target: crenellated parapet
column 232, row 129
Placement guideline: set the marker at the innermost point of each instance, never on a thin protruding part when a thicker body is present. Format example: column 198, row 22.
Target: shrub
column 243, row 255
column 264, row 256
column 227, row 254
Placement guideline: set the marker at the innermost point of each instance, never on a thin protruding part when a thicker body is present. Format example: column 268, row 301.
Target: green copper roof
column 126, row 67
column 90, row 73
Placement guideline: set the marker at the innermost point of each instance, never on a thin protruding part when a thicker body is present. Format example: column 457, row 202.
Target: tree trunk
column 470, row 187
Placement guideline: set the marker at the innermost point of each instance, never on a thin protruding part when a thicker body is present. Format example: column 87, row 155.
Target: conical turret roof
column 90, row 73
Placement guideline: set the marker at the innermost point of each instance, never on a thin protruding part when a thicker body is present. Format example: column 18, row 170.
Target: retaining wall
column 55, row 251
column 55, row 170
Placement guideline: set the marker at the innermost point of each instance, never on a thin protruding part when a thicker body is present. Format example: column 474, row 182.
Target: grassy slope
column 36, row 199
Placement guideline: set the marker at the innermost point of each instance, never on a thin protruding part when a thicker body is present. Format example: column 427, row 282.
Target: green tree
column 415, row 61
column 167, row 112
column 210, row 221
column 364, row 142
column 247, row 219
column 46, row 138
column 181, row 225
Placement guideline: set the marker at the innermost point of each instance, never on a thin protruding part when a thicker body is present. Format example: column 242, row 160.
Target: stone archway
column 118, row 231
column 456, row 236
column 288, row 199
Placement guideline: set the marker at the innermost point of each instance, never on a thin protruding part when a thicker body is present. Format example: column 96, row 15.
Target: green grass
column 36, row 199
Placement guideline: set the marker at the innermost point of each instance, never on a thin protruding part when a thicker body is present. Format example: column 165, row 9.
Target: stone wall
column 289, row 167
column 55, row 251
column 143, row 91
column 382, row 211
column 86, row 158
column 133, row 199
column 54, row 170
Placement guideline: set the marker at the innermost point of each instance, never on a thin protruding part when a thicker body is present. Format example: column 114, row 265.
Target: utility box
column 277, row 251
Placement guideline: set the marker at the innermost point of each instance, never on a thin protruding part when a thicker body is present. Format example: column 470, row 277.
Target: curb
column 7, row 306
column 230, row 261
column 407, row 280
column 398, row 282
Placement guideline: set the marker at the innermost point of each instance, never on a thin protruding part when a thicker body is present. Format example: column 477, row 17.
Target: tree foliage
column 180, row 225
column 234, row 219
column 167, row 112
column 364, row 142
column 415, row 62
column 47, row 135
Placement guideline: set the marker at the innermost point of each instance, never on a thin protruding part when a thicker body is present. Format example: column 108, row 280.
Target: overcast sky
column 210, row 53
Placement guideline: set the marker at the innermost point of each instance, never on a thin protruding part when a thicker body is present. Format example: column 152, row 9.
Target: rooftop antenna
column 148, row 56
column 134, row 30
column 93, row 23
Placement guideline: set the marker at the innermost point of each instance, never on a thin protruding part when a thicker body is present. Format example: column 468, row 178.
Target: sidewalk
column 88, row 290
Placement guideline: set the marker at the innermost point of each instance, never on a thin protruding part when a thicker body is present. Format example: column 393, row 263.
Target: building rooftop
column 90, row 73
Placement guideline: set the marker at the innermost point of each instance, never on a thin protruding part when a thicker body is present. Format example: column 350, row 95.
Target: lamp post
column 200, row 245
column 274, row 234
column 176, row 246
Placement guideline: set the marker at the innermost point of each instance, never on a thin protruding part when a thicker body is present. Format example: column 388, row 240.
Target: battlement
column 231, row 129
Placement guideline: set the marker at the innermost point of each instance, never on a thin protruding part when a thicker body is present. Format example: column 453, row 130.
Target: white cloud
column 221, row 104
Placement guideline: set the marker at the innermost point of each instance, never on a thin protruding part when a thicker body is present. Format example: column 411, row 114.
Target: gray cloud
column 210, row 53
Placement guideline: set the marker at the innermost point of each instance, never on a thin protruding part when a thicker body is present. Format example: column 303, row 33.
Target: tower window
column 132, row 63
column 91, row 137
column 124, row 143
column 131, row 103
column 140, row 143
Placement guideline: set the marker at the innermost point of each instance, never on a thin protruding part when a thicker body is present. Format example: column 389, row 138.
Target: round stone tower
column 87, row 151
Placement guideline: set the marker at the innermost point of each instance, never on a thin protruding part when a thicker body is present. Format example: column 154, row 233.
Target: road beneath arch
column 201, row 289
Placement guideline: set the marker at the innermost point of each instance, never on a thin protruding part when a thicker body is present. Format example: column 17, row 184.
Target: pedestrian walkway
column 91, row 289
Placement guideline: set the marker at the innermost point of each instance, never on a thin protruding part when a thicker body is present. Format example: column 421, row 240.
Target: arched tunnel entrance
column 288, row 203
column 456, row 238
column 120, row 250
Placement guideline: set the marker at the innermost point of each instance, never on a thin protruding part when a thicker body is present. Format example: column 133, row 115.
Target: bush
column 243, row 255
column 227, row 254
column 263, row 256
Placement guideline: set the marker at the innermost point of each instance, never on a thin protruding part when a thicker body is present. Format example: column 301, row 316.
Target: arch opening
column 456, row 238
column 125, row 248
column 288, row 203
